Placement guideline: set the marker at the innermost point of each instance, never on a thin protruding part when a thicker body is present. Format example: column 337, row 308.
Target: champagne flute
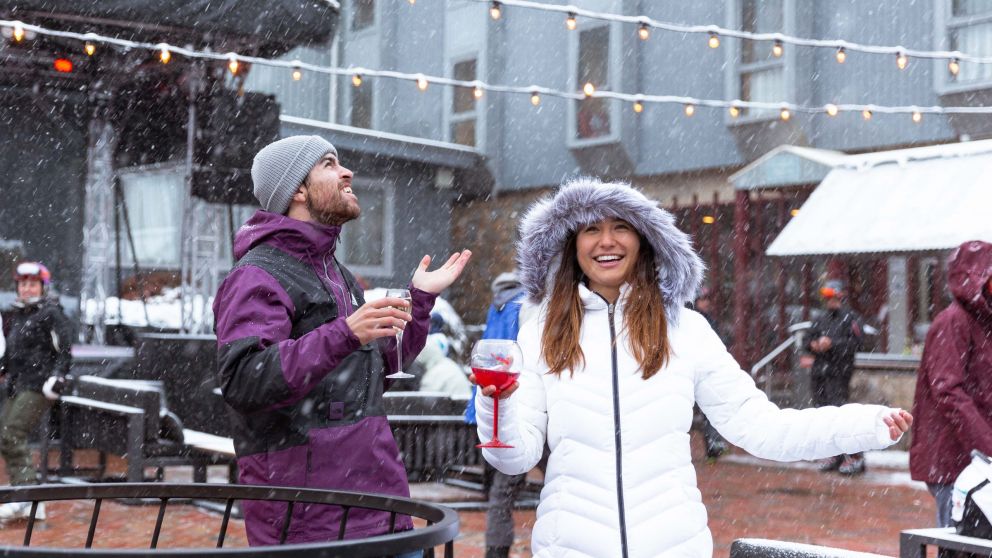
column 497, row 363
column 405, row 295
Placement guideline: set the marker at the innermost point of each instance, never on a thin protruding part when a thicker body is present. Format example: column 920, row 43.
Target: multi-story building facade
column 685, row 162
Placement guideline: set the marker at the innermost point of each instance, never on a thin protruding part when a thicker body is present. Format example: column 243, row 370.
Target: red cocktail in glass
column 496, row 362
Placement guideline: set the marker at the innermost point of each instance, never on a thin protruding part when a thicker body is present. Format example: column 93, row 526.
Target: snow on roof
column 908, row 200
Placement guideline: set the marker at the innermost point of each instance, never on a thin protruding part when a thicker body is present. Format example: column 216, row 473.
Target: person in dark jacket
column 953, row 402
column 834, row 339
column 36, row 361
column 301, row 356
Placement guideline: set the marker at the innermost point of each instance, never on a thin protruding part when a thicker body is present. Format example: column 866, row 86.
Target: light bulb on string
column 297, row 72
column 831, row 109
column 734, row 110
column 164, row 55
column 638, row 106
column 412, row 2
column 644, row 32
column 917, row 116
column 902, row 60
column 588, row 89
column 495, row 11
column 785, row 114
column 866, row 114
column 714, row 41
column 777, row 49
column 478, row 92
column 89, row 48
column 535, row 98
column 356, row 80
column 232, row 64
column 841, row 55
column 954, row 66
column 18, row 32
column 570, row 22
column 690, row 109
column 422, row 83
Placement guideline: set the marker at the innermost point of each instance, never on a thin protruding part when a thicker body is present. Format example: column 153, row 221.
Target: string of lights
column 779, row 40
column 20, row 31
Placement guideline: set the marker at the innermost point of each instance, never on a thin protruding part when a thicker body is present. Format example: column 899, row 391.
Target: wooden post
column 742, row 216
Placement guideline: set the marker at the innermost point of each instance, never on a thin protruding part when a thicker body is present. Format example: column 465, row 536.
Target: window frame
column 944, row 23
column 614, row 60
column 478, row 113
column 388, row 233
column 736, row 68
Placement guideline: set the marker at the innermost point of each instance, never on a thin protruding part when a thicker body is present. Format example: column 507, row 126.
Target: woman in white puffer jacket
column 613, row 364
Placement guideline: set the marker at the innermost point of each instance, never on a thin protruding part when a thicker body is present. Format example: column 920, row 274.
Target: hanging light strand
column 535, row 92
column 779, row 39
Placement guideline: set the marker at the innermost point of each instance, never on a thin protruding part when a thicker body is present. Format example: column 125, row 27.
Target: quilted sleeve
column 746, row 418
column 523, row 417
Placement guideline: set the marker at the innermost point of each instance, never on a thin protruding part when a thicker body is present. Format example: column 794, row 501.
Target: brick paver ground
column 745, row 498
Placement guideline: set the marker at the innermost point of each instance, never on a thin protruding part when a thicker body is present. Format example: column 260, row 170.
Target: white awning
column 908, row 200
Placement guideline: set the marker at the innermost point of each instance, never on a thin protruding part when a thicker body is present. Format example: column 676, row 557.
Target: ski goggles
column 32, row 270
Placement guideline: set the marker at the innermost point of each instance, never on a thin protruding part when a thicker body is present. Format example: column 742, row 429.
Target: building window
column 154, row 198
column 592, row 115
column 969, row 29
column 363, row 15
column 361, row 105
column 461, row 127
column 366, row 243
column 761, row 75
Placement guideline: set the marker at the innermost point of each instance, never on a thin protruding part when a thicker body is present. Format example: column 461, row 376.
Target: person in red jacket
column 953, row 403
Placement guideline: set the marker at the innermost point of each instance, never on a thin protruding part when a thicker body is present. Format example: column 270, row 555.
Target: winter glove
column 53, row 388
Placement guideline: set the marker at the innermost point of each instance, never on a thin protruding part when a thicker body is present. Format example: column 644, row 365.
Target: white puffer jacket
column 620, row 471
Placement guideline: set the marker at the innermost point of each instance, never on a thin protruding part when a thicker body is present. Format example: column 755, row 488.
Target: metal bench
column 131, row 419
column 431, row 433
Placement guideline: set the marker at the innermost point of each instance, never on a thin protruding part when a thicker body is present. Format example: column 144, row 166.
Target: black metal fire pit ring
column 441, row 529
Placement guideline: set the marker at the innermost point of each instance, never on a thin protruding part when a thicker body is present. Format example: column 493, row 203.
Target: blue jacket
column 502, row 322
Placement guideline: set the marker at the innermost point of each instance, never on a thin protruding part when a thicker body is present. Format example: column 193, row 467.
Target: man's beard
column 334, row 216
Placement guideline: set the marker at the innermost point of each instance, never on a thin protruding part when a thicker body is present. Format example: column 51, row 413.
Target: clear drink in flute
column 405, row 295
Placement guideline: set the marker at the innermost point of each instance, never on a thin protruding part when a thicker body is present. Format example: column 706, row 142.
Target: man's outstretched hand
column 441, row 278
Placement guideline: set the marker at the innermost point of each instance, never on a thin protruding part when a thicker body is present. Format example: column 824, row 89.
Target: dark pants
column 21, row 415
column 942, row 494
column 503, row 493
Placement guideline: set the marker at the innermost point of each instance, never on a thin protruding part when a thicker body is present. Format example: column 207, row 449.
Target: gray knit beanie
column 280, row 168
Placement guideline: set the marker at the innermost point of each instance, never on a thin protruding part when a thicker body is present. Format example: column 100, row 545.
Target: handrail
column 441, row 529
column 794, row 340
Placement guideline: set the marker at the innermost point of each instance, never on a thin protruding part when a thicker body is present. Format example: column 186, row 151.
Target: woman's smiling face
column 607, row 252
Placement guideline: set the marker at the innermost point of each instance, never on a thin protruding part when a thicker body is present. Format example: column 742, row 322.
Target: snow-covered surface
column 163, row 311
column 781, row 549
column 929, row 198
column 888, row 467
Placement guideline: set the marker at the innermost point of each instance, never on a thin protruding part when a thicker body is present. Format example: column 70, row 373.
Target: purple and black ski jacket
column 305, row 395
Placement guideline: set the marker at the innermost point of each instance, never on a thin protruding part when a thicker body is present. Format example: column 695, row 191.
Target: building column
column 898, row 314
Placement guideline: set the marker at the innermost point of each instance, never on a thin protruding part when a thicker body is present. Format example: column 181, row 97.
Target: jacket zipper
column 616, row 433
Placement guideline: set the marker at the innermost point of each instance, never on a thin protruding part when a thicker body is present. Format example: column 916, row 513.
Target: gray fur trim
column 550, row 221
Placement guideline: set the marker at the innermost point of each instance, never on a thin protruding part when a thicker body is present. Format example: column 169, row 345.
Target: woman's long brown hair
column 644, row 316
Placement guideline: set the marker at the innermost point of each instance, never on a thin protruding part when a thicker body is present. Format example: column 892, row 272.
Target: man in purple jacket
column 953, row 403
column 301, row 356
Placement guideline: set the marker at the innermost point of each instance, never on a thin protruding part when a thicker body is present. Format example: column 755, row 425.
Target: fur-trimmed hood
column 549, row 222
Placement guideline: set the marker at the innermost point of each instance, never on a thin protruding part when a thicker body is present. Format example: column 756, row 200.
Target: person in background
column 613, row 363
column 440, row 373
column 953, row 402
column 35, row 363
column 715, row 444
column 834, row 339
